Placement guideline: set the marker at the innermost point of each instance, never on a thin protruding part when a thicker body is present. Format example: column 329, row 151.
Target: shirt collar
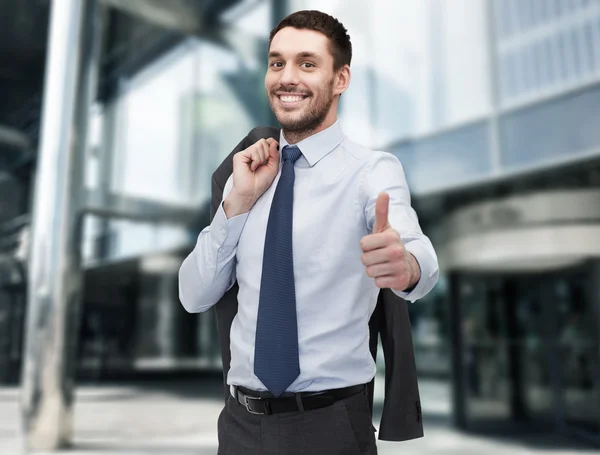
column 318, row 145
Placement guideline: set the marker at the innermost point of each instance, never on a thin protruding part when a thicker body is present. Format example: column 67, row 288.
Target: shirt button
column 223, row 231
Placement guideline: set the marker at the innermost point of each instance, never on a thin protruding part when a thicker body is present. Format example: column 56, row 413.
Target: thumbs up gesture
column 384, row 255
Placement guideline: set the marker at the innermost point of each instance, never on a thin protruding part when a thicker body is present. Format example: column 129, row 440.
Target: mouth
column 291, row 100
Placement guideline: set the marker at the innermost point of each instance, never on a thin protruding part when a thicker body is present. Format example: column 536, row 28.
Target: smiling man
column 311, row 226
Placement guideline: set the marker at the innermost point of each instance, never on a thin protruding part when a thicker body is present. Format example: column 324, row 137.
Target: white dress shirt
column 337, row 183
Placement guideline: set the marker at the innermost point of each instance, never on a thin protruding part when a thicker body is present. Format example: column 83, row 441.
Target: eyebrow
column 305, row 54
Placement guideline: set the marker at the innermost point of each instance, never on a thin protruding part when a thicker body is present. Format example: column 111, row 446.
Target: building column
column 55, row 276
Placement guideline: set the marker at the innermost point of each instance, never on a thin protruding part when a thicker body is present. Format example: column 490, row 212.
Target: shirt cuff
column 226, row 232
column 422, row 287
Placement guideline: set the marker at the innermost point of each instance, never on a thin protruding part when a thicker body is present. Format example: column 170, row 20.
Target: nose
column 289, row 75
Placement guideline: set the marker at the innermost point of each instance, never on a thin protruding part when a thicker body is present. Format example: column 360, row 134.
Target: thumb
column 381, row 213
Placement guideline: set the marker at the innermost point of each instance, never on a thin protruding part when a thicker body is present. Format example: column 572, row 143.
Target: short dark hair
column 340, row 45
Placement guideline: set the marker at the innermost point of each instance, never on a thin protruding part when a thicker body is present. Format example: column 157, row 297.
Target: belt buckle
column 247, row 405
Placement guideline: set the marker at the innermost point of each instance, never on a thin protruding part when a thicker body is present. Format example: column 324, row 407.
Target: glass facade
column 175, row 122
column 151, row 130
column 540, row 62
column 546, row 46
column 446, row 158
column 564, row 127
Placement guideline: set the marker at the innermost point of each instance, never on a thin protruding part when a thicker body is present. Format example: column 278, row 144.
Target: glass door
column 530, row 348
column 486, row 375
column 533, row 372
column 577, row 348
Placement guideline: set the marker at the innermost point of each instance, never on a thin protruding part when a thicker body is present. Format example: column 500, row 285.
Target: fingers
column 380, row 240
column 258, row 154
column 390, row 281
column 262, row 151
column 389, row 254
column 374, row 257
column 381, row 212
column 389, row 267
column 377, row 270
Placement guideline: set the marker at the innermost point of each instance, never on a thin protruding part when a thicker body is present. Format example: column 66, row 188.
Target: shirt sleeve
column 209, row 270
column 386, row 173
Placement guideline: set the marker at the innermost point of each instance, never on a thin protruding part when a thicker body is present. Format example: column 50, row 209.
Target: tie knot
column 292, row 153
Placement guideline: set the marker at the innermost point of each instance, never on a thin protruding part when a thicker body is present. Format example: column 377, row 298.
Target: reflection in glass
column 559, row 128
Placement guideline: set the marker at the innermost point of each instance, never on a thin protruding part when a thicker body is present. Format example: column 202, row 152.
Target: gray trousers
column 344, row 428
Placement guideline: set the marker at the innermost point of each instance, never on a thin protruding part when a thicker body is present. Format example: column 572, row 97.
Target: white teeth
column 291, row 99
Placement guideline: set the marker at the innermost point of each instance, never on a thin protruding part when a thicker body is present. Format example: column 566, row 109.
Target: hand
column 384, row 254
column 254, row 170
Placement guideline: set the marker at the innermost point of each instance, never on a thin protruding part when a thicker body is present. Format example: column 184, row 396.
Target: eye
column 276, row 64
column 308, row 65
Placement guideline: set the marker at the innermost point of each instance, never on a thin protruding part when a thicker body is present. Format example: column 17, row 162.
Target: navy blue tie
column 276, row 361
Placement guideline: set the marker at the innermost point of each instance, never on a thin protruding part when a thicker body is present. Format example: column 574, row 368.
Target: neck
column 293, row 137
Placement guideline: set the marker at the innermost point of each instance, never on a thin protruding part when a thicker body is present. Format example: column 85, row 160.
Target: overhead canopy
column 532, row 233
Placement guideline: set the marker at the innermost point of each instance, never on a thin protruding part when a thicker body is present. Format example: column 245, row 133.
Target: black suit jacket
column 401, row 415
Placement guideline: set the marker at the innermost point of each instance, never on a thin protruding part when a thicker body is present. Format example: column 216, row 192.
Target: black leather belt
column 258, row 403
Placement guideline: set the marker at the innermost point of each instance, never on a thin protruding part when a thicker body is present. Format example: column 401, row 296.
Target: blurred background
column 113, row 120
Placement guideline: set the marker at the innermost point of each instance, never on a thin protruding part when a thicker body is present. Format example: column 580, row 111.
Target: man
column 311, row 227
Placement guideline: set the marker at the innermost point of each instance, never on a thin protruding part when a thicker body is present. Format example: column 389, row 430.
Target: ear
column 342, row 80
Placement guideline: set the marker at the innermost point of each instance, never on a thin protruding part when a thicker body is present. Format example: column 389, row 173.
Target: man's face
column 300, row 80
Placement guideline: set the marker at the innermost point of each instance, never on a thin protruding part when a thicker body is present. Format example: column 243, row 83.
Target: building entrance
column 527, row 351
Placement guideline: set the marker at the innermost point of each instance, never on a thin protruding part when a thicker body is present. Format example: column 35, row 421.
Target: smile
column 291, row 98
